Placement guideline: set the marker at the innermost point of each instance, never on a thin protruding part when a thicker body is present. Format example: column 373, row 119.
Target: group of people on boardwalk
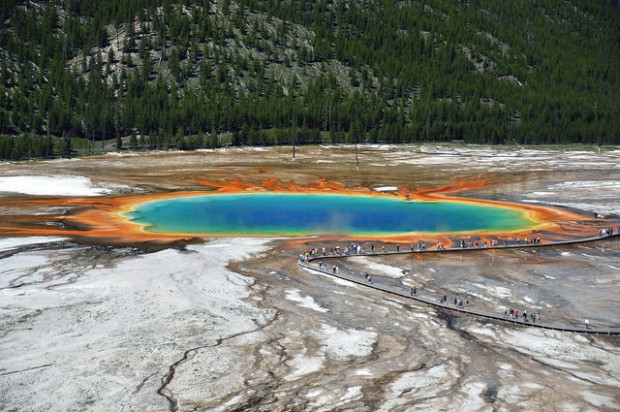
column 533, row 317
column 323, row 267
column 458, row 302
column 608, row 231
column 347, row 250
column 356, row 248
column 476, row 244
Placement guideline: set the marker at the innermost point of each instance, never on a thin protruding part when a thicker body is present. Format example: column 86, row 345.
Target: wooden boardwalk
column 433, row 301
column 499, row 246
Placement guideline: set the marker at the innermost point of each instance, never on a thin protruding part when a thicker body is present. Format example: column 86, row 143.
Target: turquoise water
column 303, row 214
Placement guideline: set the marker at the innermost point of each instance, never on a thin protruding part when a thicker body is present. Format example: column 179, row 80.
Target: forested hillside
column 183, row 74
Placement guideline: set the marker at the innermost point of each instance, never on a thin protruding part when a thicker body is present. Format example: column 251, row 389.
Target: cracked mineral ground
column 235, row 324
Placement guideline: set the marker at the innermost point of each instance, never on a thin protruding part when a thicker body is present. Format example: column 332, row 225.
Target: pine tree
column 66, row 147
column 133, row 141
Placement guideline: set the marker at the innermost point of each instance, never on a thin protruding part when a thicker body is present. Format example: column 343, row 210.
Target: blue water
column 304, row 214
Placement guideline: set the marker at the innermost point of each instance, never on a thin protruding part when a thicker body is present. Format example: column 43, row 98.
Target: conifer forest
column 78, row 77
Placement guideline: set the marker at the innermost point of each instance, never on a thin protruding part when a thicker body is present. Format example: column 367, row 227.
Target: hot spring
column 277, row 214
